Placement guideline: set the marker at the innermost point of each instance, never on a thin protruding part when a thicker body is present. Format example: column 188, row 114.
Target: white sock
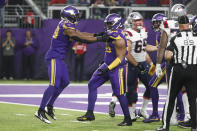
column 186, row 106
column 132, row 111
column 114, row 99
column 144, row 104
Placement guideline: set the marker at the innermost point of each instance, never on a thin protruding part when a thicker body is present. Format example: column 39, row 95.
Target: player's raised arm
column 79, row 36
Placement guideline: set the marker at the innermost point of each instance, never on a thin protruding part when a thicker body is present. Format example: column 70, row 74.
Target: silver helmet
column 132, row 18
column 178, row 10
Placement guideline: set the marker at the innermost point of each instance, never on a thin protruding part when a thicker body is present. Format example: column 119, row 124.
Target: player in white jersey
column 170, row 29
column 137, row 35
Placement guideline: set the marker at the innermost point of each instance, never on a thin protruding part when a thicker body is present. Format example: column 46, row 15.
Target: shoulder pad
column 128, row 32
column 67, row 25
column 115, row 35
column 165, row 24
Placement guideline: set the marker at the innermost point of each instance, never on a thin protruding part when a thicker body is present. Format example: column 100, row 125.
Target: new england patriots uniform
column 139, row 41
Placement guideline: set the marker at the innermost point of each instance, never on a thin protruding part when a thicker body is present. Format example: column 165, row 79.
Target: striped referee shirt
column 184, row 47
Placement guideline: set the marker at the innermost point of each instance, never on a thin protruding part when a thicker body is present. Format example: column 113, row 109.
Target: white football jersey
column 171, row 28
column 139, row 42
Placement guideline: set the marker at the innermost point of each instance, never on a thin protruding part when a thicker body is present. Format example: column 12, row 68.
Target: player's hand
column 103, row 38
column 152, row 69
column 99, row 34
column 158, row 70
column 141, row 68
column 102, row 71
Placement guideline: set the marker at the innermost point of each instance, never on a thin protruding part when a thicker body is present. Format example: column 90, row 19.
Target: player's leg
column 95, row 82
column 131, row 90
column 117, row 79
column 64, row 81
column 154, row 83
column 180, row 108
column 54, row 79
column 112, row 105
column 144, row 78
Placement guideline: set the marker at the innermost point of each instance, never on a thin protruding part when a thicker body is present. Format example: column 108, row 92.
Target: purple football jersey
column 60, row 42
column 110, row 53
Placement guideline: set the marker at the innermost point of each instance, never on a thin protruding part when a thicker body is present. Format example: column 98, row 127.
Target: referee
column 182, row 51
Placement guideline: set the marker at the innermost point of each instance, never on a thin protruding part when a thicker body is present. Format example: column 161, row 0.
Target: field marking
column 103, row 95
column 60, row 108
column 162, row 86
column 65, row 114
column 20, row 114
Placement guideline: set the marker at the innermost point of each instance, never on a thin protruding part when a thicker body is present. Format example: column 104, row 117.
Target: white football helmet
column 135, row 20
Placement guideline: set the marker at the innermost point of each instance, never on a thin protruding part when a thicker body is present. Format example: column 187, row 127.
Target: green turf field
column 21, row 118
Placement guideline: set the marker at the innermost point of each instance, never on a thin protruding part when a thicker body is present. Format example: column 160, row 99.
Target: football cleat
column 152, row 118
column 185, row 124
column 142, row 113
column 50, row 112
column 87, row 117
column 162, row 129
column 112, row 106
column 40, row 114
column 173, row 122
column 126, row 123
column 181, row 117
column 193, row 129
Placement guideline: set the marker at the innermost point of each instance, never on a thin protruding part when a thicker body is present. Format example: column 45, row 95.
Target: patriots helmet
column 70, row 13
column 194, row 24
column 178, row 10
column 135, row 20
column 157, row 20
column 113, row 22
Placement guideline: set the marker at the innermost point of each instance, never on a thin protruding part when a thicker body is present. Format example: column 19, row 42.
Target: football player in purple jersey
column 113, row 69
column 61, row 40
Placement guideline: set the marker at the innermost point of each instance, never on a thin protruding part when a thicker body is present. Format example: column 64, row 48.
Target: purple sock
column 124, row 104
column 57, row 92
column 155, row 99
column 180, row 103
column 46, row 96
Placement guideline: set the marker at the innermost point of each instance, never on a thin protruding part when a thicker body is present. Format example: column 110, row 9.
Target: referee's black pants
column 181, row 76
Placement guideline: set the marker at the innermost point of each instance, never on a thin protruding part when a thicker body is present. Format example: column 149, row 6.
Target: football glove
column 158, row 70
column 141, row 68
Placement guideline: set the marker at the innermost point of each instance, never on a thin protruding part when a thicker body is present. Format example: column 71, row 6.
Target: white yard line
column 162, row 86
column 54, row 107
